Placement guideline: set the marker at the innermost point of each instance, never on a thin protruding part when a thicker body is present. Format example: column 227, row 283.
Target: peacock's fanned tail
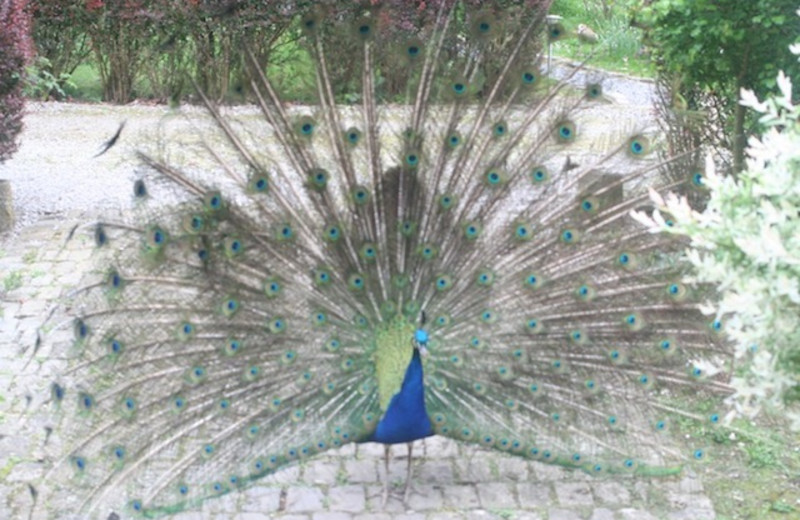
column 266, row 313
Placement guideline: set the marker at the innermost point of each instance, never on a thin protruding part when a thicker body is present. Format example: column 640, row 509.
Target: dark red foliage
column 15, row 49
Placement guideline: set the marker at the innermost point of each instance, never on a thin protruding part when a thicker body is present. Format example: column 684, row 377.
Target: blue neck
column 406, row 418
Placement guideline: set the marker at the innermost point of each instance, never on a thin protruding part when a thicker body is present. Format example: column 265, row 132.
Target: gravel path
column 623, row 89
column 55, row 171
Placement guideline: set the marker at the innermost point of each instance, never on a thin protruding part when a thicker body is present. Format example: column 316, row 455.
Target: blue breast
column 405, row 419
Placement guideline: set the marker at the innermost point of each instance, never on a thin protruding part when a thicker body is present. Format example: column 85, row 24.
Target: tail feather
column 246, row 326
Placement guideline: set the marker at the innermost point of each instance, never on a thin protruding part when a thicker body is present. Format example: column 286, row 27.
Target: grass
column 86, row 84
column 341, row 477
column 755, row 472
column 12, row 281
column 752, row 469
column 763, row 494
column 6, row 470
column 620, row 46
column 620, row 59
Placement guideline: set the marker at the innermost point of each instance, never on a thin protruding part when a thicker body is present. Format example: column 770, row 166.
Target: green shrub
column 747, row 243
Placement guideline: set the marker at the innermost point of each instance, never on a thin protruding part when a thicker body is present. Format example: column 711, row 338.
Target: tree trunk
column 739, row 140
column 6, row 206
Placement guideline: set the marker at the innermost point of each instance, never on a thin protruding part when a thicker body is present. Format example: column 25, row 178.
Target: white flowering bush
column 747, row 243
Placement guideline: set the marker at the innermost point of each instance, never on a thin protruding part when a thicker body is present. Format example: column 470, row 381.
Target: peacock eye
column 408, row 232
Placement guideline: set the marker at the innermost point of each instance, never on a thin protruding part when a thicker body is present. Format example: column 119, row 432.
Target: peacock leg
column 408, row 474
column 386, row 450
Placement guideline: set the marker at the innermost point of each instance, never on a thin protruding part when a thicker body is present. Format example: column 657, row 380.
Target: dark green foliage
column 711, row 49
column 62, row 42
column 150, row 48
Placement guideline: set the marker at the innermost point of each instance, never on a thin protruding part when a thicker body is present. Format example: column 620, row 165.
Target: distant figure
column 587, row 35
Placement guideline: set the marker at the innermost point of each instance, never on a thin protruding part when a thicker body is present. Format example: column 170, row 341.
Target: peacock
column 439, row 244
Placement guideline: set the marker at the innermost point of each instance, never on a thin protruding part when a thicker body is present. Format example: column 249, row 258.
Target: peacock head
column 421, row 341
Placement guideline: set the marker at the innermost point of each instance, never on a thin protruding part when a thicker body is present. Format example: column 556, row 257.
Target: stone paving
column 450, row 482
